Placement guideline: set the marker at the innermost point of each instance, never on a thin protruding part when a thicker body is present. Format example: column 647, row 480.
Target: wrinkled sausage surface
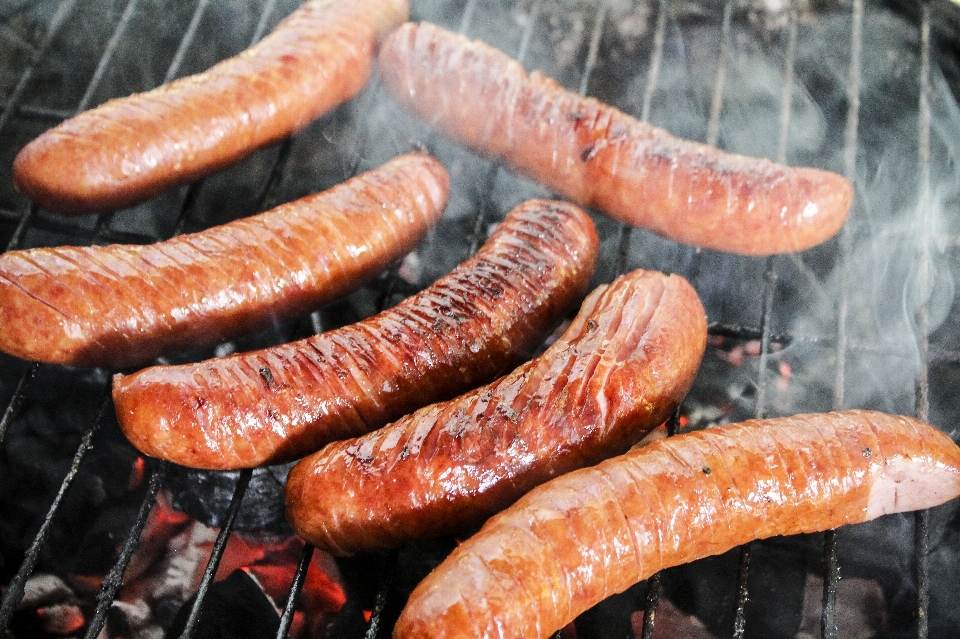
column 121, row 305
column 601, row 157
column 131, row 148
column 283, row 402
column 583, row 537
column 620, row 369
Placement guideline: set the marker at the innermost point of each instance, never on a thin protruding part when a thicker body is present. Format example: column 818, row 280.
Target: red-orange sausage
column 129, row 149
column 122, row 305
column 603, row 158
column 583, row 537
column 620, row 369
column 281, row 403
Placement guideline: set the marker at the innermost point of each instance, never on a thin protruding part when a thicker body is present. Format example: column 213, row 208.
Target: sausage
column 603, row 158
column 620, row 369
column 130, row 149
column 281, row 403
column 585, row 536
column 120, row 305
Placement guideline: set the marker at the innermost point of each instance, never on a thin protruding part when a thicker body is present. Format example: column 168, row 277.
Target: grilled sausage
column 129, row 149
column 284, row 402
column 620, row 369
column 580, row 538
column 122, row 305
column 601, row 157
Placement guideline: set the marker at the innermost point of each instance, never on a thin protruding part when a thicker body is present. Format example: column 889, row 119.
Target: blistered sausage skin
column 121, row 305
column 601, row 157
column 620, row 369
column 129, row 149
column 281, row 403
column 583, row 537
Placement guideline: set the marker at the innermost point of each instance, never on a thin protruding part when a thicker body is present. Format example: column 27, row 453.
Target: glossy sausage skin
column 603, row 158
column 129, row 149
column 620, row 369
column 283, row 402
column 121, row 305
column 585, row 536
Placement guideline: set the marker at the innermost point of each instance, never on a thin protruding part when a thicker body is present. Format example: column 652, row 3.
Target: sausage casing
column 122, row 305
column 583, row 537
column 283, row 402
column 129, row 149
column 601, row 157
column 620, row 369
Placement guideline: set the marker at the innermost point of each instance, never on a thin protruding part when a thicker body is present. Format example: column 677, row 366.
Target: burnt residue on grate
column 869, row 319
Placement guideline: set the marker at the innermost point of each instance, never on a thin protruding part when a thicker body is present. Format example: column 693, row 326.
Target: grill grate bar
column 188, row 37
column 831, row 575
column 268, row 8
column 380, row 603
column 653, row 77
column 16, row 587
column 243, row 480
column 656, row 59
column 921, row 518
column 107, row 55
column 485, row 204
column 295, row 587
column 720, row 78
column 652, row 600
column 59, row 18
column 13, row 407
column 114, row 579
column 593, row 48
column 743, row 571
column 467, row 17
column 30, row 112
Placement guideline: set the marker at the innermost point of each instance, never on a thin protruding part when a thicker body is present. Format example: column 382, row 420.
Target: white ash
column 43, row 589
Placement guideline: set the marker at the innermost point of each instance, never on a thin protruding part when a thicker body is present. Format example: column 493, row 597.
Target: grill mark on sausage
column 448, row 466
column 125, row 305
column 560, row 549
column 466, row 328
column 603, row 158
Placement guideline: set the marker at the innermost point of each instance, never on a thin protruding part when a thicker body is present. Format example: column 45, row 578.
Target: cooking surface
column 867, row 320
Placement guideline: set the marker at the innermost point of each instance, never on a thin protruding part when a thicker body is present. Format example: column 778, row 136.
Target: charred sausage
column 620, row 369
column 281, row 403
column 601, row 157
column 121, row 305
column 129, row 149
column 580, row 538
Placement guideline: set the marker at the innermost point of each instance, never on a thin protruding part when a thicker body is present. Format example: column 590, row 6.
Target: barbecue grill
column 867, row 320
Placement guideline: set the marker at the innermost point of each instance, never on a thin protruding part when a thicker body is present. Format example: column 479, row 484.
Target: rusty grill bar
column 30, row 218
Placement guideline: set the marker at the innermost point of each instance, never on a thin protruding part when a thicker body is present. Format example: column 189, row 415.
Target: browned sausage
column 121, row 305
column 603, row 158
column 620, row 369
column 583, row 537
column 281, row 403
column 129, row 149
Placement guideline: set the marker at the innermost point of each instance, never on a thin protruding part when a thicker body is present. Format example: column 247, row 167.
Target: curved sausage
column 283, row 402
column 583, row 537
column 620, row 369
column 121, row 305
column 130, row 149
column 603, row 158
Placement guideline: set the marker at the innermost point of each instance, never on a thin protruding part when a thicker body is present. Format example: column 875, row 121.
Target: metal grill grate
column 346, row 140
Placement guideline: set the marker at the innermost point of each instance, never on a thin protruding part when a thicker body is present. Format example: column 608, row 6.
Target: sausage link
column 130, row 149
column 121, row 305
column 620, row 369
column 601, row 157
column 583, row 537
column 281, row 403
